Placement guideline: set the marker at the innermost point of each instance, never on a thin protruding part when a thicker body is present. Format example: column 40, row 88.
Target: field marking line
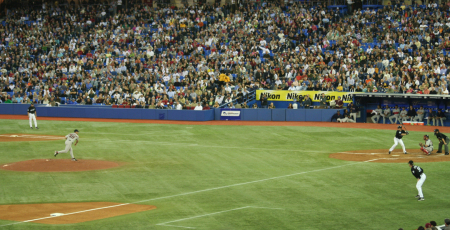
column 177, row 226
column 195, row 192
column 209, row 214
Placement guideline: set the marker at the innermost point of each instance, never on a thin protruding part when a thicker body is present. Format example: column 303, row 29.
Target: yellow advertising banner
column 286, row 95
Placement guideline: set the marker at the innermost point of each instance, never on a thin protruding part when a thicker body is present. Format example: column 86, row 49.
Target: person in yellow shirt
column 224, row 78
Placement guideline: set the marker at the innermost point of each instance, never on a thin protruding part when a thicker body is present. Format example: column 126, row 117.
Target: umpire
column 443, row 140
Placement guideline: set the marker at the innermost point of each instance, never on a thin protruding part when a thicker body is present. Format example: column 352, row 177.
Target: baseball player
column 443, row 140
column 403, row 115
column 70, row 138
column 386, row 114
column 352, row 110
column 427, row 148
column 377, row 115
column 420, row 112
column 398, row 139
column 431, row 117
column 440, row 116
column 421, row 177
column 395, row 114
column 411, row 114
column 32, row 115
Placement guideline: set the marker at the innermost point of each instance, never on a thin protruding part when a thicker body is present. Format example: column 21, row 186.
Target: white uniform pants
column 375, row 117
column 442, row 119
column 353, row 115
column 31, row 117
column 67, row 149
column 419, row 184
column 427, row 149
column 345, row 120
column 384, row 118
column 418, row 118
column 396, row 141
column 394, row 116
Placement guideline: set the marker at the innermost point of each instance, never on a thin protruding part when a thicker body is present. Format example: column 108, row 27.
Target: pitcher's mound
column 383, row 156
column 58, row 165
column 68, row 213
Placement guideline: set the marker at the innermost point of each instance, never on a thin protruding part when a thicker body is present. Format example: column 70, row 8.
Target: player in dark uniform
column 398, row 139
column 443, row 140
column 421, row 177
column 32, row 115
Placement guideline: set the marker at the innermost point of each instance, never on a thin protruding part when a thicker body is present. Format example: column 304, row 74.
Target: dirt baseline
column 28, row 137
column 383, row 156
column 58, row 165
column 68, row 213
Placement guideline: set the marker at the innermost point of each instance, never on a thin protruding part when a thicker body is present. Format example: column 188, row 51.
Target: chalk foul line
column 189, row 193
column 209, row 214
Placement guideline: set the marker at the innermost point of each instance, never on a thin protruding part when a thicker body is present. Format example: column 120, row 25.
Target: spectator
column 271, row 106
column 339, row 103
column 307, row 102
column 447, row 224
column 323, row 101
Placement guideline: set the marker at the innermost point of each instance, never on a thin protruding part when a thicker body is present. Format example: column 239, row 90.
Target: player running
column 398, row 139
column 70, row 138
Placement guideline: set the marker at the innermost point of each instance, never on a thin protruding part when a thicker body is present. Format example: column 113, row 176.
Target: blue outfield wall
column 81, row 111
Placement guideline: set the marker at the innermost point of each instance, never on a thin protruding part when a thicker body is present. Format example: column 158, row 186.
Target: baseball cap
column 436, row 130
column 411, row 162
column 398, row 127
column 76, row 130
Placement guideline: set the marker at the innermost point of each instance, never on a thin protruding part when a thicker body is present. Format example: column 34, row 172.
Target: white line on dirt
column 194, row 192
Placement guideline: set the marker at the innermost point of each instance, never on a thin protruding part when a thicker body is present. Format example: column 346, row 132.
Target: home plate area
column 68, row 213
column 383, row 156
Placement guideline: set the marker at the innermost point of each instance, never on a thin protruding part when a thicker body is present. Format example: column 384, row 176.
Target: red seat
column 133, row 106
column 127, row 106
column 115, row 106
column 121, row 106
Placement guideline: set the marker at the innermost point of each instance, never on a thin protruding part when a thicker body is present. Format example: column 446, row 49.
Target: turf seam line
column 194, row 192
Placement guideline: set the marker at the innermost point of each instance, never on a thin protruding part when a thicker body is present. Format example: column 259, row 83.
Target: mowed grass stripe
column 341, row 197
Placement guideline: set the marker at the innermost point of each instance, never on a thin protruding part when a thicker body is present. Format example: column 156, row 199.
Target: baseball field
column 197, row 176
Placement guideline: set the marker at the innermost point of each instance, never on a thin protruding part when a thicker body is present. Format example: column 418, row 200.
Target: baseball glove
column 420, row 144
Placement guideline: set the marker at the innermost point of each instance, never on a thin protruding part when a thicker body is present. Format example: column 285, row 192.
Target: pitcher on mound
column 70, row 138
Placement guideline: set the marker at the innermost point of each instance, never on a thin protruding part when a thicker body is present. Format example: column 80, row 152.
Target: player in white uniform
column 398, row 139
column 32, row 115
column 386, row 114
column 70, row 138
column 376, row 117
column 427, row 148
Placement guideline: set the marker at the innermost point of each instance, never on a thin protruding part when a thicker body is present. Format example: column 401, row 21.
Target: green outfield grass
column 227, row 177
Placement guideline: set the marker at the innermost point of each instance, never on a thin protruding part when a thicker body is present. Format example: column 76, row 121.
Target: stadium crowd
column 213, row 55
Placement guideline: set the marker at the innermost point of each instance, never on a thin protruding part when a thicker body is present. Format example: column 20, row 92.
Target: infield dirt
column 58, row 165
column 72, row 212
column 383, row 156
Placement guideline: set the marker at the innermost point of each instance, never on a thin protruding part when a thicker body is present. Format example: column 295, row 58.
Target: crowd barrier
column 165, row 114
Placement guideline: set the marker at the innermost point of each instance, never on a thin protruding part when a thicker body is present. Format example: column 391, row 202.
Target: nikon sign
column 285, row 95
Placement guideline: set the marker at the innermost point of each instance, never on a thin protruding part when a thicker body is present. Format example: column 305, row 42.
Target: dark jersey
column 32, row 109
column 398, row 134
column 416, row 171
column 440, row 136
